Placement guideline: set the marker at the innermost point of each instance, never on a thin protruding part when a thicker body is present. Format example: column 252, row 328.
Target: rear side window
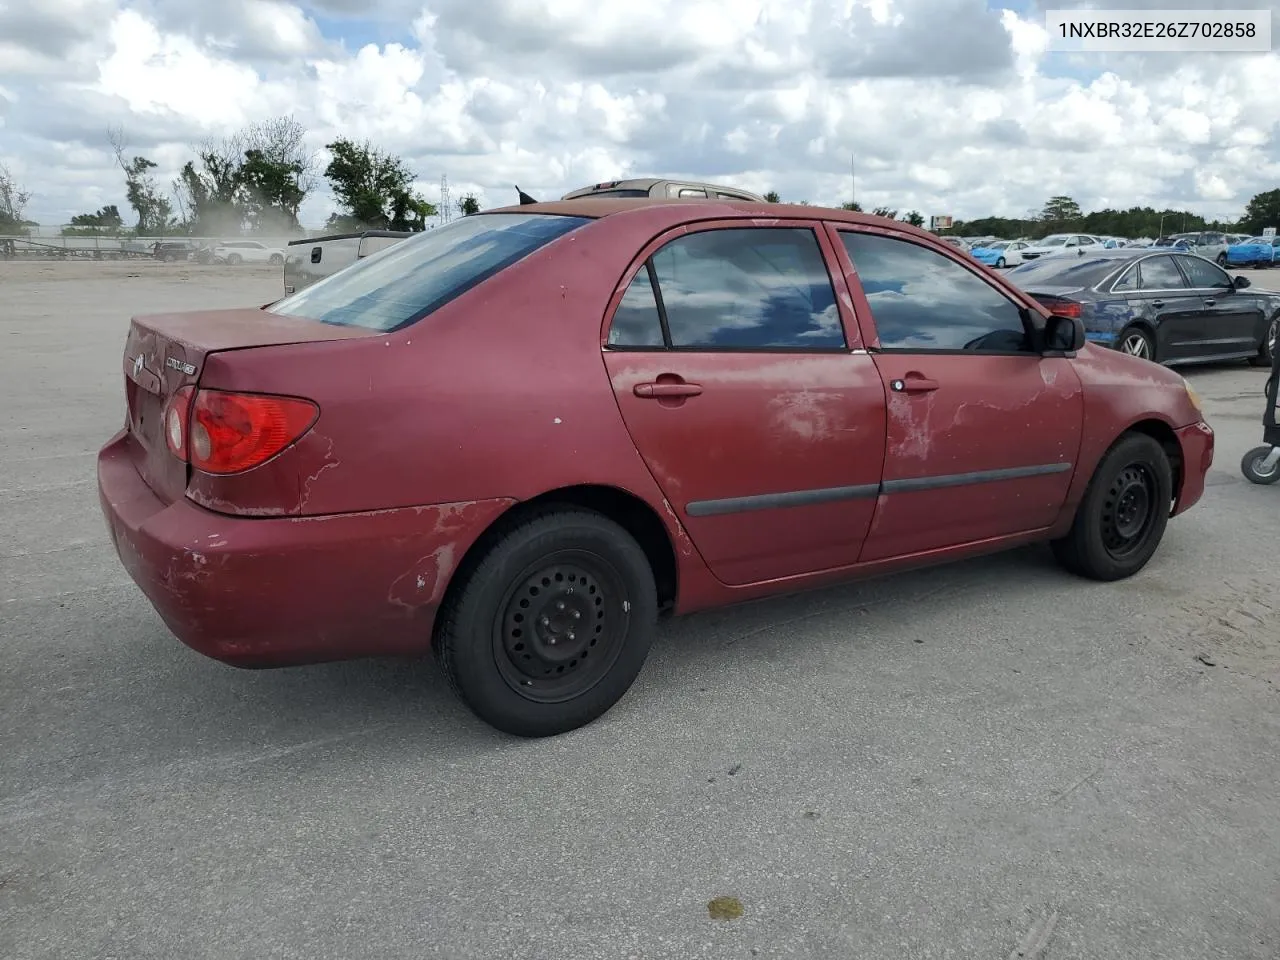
column 405, row 282
column 1160, row 273
column 755, row 288
column 1203, row 274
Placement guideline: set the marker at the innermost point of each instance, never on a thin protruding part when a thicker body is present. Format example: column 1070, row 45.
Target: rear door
column 1233, row 324
column 762, row 424
column 1174, row 311
column 983, row 431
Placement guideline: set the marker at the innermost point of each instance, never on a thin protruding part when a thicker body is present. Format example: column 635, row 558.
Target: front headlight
column 1193, row 397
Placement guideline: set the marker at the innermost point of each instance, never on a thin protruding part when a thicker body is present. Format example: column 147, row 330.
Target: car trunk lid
column 166, row 352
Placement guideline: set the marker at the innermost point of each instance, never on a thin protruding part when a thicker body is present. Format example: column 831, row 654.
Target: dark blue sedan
column 1162, row 304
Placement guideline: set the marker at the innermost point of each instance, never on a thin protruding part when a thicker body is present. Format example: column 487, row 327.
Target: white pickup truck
column 315, row 258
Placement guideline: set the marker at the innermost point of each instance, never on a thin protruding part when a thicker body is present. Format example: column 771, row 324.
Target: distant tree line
column 256, row 180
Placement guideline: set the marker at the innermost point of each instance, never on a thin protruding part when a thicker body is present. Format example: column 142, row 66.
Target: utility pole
column 445, row 212
column 853, row 178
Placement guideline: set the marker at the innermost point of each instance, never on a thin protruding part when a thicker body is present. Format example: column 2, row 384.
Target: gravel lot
column 933, row 765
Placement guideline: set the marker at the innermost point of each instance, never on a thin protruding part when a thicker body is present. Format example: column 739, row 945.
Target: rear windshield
column 403, row 283
column 1060, row 271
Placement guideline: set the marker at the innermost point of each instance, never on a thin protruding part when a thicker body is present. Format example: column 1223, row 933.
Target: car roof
column 682, row 211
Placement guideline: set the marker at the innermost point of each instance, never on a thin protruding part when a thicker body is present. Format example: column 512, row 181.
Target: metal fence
column 50, row 243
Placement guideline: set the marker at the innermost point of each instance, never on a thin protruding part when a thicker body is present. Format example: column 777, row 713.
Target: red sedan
column 519, row 438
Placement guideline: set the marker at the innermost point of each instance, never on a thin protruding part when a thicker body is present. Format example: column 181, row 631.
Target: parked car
column 1057, row 243
column 171, row 250
column 235, row 252
column 958, row 242
column 1254, row 252
column 517, row 438
column 1160, row 304
column 309, row 260
column 660, row 187
column 1211, row 244
column 1001, row 254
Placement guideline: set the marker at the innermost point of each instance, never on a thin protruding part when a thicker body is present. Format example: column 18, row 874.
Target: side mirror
column 1241, row 282
column 1063, row 335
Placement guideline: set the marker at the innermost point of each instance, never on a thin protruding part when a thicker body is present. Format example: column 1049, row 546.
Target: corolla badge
column 137, row 365
column 173, row 363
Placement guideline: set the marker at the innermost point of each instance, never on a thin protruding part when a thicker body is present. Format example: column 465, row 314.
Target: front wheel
column 234, row 260
column 551, row 627
column 1137, row 343
column 1000, row 264
column 1122, row 518
column 1255, row 469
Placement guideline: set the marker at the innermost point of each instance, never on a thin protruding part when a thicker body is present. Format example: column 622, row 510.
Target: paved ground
column 927, row 766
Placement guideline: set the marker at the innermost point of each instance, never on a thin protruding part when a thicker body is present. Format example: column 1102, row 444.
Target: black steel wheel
column 549, row 628
column 1254, row 466
column 1123, row 514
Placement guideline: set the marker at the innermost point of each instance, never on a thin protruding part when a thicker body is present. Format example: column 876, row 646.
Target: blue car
column 1000, row 254
column 1254, row 252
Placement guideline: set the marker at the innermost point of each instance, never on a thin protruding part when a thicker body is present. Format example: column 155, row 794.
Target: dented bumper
column 1196, row 442
column 276, row 591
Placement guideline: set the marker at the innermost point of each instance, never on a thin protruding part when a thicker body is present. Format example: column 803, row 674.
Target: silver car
column 655, row 187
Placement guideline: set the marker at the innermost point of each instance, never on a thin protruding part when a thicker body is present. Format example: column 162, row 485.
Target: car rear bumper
column 1196, row 442
column 258, row 592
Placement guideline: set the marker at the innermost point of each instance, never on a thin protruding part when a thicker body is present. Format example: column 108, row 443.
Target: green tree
column 914, row 218
column 772, row 197
column 1060, row 209
column 105, row 220
column 155, row 212
column 13, row 202
column 375, row 189
column 888, row 212
column 1261, row 212
column 851, row 205
column 469, row 205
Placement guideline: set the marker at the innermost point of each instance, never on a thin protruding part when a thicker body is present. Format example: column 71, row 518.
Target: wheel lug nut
column 577, row 614
column 559, row 604
column 569, row 635
column 545, row 621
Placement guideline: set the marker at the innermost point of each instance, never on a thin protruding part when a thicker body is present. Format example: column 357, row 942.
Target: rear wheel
column 276, row 259
column 1255, row 469
column 552, row 626
column 1222, row 259
column 1122, row 518
column 234, row 260
column 1267, row 349
column 1137, row 343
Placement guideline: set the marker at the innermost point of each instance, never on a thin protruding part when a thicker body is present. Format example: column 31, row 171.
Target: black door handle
column 1157, row 303
column 1210, row 303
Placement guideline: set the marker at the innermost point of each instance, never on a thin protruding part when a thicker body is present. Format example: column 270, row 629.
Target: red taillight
column 1064, row 308
column 177, row 417
column 233, row 432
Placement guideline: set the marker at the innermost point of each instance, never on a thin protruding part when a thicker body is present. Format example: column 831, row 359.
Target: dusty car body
column 520, row 459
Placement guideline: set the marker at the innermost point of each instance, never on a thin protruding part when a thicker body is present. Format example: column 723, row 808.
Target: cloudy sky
column 944, row 106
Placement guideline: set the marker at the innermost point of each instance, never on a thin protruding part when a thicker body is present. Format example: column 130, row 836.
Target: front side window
column 922, row 300
column 753, row 288
column 403, row 283
column 1160, row 273
column 1203, row 274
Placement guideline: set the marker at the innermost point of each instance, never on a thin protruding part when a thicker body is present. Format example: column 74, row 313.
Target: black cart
column 1262, row 464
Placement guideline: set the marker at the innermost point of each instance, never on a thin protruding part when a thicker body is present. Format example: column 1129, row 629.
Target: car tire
column 530, row 649
column 276, row 260
column 1251, row 466
column 1000, row 264
column 1137, row 342
column 1266, row 349
column 1222, row 259
column 1124, row 512
column 234, row 260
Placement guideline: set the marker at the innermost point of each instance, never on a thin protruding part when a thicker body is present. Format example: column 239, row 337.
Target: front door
column 1232, row 323
column 762, row 427
column 982, row 432
column 1162, row 296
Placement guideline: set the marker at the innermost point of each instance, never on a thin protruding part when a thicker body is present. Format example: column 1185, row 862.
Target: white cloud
column 945, row 106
